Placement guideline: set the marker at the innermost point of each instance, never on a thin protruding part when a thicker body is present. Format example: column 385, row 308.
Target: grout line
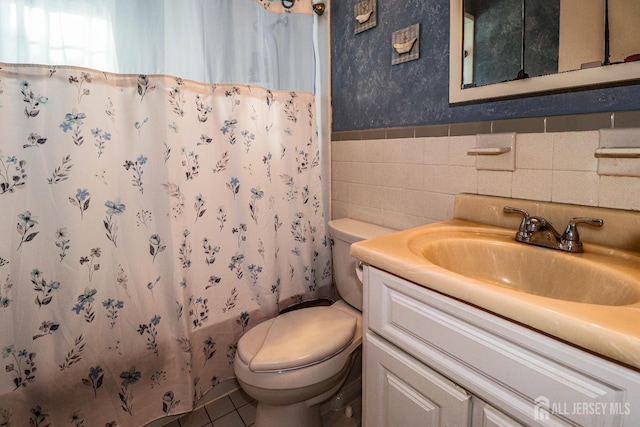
column 207, row 412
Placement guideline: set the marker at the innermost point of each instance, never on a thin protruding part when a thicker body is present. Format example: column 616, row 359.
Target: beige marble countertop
column 610, row 331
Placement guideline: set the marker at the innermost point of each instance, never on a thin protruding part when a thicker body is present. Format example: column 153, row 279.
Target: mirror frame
column 604, row 75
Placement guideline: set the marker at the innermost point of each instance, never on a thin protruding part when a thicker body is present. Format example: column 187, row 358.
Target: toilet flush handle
column 359, row 270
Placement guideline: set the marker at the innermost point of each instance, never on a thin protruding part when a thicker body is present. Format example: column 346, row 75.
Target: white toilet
column 292, row 363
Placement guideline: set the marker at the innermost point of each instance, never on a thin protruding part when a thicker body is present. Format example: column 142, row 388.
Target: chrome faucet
column 536, row 230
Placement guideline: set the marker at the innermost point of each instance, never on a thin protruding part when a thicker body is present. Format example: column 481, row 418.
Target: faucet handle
column 571, row 237
column 523, row 232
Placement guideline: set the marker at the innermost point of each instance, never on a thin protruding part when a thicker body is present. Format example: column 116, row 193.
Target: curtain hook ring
column 288, row 4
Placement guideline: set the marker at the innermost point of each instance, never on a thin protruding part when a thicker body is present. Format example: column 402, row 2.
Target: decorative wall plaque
column 406, row 44
column 366, row 15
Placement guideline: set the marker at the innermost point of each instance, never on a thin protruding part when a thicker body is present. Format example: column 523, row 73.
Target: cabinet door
column 401, row 391
column 485, row 415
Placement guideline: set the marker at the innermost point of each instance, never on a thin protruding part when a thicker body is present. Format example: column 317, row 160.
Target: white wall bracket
column 495, row 151
column 618, row 153
column 479, row 151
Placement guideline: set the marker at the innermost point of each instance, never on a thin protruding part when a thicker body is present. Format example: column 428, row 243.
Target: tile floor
column 239, row 410
column 234, row 410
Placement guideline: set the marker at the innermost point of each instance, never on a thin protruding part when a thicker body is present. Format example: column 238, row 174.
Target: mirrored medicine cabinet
column 511, row 48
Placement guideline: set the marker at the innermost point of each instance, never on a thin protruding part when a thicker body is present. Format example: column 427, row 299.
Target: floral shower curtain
column 148, row 221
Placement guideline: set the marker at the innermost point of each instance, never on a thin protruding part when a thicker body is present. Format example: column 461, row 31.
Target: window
column 57, row 32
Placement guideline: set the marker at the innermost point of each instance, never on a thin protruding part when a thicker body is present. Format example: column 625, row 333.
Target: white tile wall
column 403, row 183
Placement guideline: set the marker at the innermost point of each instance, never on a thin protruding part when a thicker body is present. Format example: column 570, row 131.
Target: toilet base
column 294, row 415
column 301, row 413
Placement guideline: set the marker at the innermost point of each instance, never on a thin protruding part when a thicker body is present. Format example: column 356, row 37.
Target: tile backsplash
column 409, row 181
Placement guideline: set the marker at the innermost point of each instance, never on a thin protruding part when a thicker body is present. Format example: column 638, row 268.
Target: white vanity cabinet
column 430, row 360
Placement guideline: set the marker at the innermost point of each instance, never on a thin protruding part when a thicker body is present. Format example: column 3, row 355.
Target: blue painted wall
column 369, row 93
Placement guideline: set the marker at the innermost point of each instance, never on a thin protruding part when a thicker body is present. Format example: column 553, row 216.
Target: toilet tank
column 344, row 232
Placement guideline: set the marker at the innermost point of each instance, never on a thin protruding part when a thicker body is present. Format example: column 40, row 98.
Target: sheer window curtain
column 210, row 41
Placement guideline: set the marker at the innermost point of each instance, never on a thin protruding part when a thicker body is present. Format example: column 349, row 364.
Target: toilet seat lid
column 297, row 339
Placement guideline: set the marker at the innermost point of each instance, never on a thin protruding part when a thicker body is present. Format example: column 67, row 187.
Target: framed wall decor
column 406, row 44
column 366, row 15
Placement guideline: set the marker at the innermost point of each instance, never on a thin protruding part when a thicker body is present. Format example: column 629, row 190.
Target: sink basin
column 600, row 275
